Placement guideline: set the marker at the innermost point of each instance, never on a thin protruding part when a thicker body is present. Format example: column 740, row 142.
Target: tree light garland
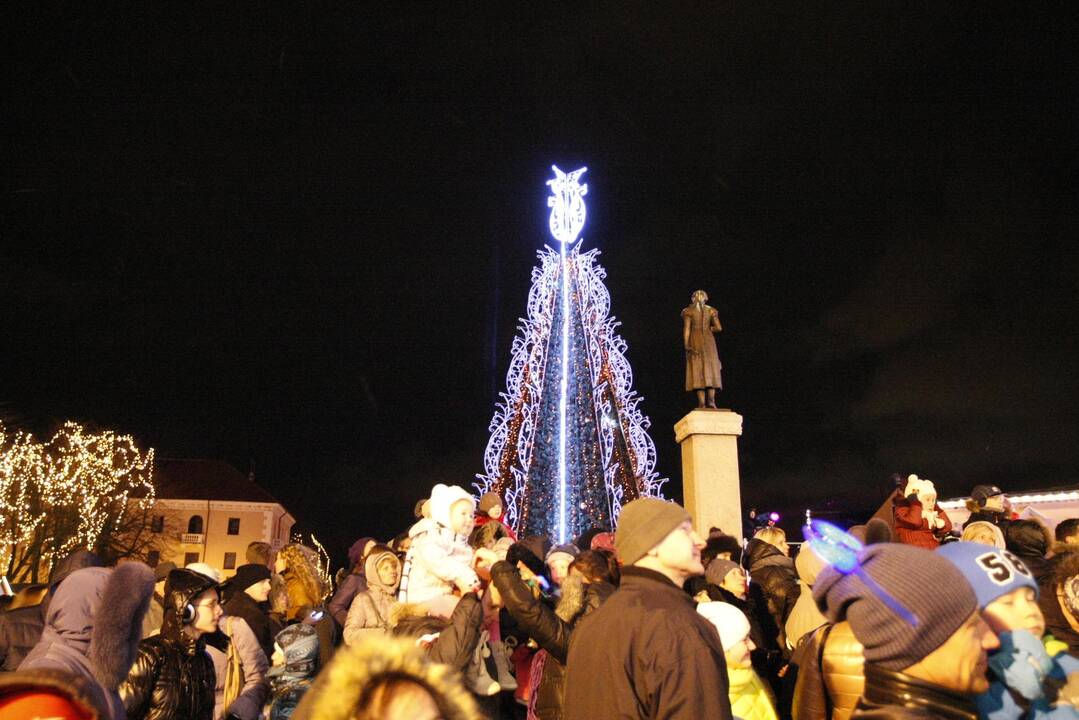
column 568, row 444
column 66, row 493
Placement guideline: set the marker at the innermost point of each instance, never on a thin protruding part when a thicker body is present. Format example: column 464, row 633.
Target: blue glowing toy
column 840, row 549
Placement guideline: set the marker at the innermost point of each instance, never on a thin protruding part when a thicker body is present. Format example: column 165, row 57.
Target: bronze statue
column 699, row 321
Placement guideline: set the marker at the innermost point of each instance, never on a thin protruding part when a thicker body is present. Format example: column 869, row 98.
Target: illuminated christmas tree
column 568, row 444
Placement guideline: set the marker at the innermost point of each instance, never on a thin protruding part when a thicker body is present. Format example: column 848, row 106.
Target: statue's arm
column 716, row 327
column 687, row 324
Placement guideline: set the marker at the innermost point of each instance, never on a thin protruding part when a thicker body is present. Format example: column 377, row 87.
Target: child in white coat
column 440, row 558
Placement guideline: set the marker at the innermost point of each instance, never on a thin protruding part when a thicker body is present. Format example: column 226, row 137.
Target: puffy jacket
column 370, row 609
column 750, row 697
column 256, row 687
column 646, row 653
column 438, row 558
column 830, row 679
column 913, row 529
column 92, row 627
column 549, row 628
column 173, row 676
column 774, row 573
column 890, row 694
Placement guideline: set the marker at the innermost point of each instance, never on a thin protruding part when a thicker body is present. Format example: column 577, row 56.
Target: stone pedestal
column 710, row 484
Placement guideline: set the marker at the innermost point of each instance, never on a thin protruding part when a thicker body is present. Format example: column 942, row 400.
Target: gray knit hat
column 719, row 569
column 643, row 524
column 910, row 580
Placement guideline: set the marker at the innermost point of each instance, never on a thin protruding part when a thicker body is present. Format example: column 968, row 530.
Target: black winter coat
column 891, row 695
column 457, row 638
column 774, row 573
column 550, row 631
column 646, row 653
column 173, row 675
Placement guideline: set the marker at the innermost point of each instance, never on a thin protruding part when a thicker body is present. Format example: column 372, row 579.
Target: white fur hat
column 442, row 499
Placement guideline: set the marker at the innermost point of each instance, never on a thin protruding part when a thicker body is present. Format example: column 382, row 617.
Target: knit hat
column 643, row 524
column 732, row 624
column 567, row 549
column 489, row 500
column 299, row 643
column 719, row 569
column 910, row 580
column 991, row 572
column 248, row 575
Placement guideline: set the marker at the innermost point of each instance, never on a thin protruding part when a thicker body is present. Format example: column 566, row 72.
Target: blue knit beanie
column 991, row 572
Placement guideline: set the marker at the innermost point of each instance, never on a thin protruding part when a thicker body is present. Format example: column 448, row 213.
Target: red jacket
column 913, row 529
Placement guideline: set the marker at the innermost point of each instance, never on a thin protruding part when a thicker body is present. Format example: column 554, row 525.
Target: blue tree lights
column 568, row 444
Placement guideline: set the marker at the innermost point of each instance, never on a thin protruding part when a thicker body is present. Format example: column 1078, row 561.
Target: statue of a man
column 699, row 321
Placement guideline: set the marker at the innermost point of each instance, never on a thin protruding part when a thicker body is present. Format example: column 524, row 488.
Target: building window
column 157, row 524
column 230, row 561
column 194, row 525
column 153, row 558
column 234, row 526
column 190, row 558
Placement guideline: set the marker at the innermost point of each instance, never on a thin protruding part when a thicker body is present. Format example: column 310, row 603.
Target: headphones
column 187, row 614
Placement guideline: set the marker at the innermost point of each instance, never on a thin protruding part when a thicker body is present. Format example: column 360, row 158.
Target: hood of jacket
column 181, row 588
column 75, row 561
column 442, row 499
column 97, row 614
column 355, row 671
column 371, row 571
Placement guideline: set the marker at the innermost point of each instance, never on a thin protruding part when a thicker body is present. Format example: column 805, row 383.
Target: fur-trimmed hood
column 93, row 626
column 348, row 680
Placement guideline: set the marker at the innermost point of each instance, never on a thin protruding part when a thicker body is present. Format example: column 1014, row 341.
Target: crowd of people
column 903, row 617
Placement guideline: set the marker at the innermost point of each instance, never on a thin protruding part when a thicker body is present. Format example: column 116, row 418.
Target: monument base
column 710, row 480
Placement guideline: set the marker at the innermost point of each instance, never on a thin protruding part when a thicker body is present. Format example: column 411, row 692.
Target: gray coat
column 256, row 687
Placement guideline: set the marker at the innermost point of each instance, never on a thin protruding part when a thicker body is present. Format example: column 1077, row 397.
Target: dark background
column 299, row 235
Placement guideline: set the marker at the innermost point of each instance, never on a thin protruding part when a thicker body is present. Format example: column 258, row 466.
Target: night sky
column 299, row 235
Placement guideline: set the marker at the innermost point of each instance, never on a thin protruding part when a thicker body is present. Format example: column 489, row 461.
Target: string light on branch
column 64, row 493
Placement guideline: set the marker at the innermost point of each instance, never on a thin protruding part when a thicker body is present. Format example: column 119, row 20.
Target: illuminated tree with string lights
column 568, row 444
column 79, row 489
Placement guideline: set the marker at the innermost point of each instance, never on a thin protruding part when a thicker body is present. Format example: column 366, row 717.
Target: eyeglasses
column 212, row 604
